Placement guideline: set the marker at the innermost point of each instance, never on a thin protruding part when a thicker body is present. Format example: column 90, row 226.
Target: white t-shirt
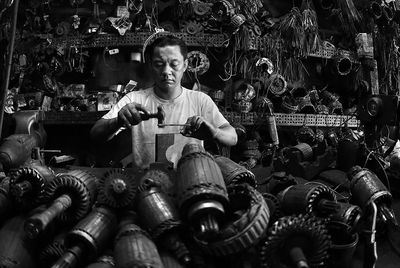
column 178, row 110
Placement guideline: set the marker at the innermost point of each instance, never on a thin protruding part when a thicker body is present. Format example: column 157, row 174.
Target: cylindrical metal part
column 199, row 179
column 304, row 198
column 15, row 249
column 16, row 149
column 134, row 248
column 156, row 211
column 272, row 130
column 366, row 187
column 94, row 231
column 233, row 173
column 306, row 151
column 71, row 258
column 244, row 232
column 349, row 214
column 38, row 222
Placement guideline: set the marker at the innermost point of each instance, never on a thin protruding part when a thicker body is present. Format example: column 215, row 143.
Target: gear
column 247, row 228
column 117, row 189
column 191, row 27
column 274, row 206
column 52, row 252
column 308, row 234
column 80, row 186
column 234, row 173
column 162, row 175
column 27, row 185
column 305, row 198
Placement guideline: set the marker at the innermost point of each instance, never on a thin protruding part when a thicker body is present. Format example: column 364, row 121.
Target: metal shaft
column 209, row 227
column 70, row 259
column 38, row 222
column 173, row 124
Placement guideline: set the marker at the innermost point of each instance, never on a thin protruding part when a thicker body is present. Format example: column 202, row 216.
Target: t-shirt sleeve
column 113, row 113
column 211, row 112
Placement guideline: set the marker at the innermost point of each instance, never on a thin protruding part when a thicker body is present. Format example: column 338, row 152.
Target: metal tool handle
column 173, row 124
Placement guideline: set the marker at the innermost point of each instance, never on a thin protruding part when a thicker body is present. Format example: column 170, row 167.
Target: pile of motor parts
column 208, row 212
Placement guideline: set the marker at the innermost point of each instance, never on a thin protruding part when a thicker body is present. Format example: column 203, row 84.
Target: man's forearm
column 104, row 129
column 226, row 135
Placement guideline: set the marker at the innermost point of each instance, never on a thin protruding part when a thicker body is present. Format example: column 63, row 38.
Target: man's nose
column 166, row 70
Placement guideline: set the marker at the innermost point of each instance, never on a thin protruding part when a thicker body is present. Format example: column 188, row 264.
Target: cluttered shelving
column 297, row 120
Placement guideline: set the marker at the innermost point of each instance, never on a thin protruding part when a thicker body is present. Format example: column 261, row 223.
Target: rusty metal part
column 201, row 190
column 306, row 151
column 133, row 247
column 247, row 227
column 27, row 185
column 117, row 189
column 72, row 195
column 296, row 241
column 6, row 204
column 155, row 209
column 234, row 173
column 88, row 238
column 311, row 198
column 348, row 214
column 105, row 261
column 366, row 187
column 157, row 212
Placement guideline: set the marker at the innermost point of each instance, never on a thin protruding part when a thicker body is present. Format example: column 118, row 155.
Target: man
column 167, row 57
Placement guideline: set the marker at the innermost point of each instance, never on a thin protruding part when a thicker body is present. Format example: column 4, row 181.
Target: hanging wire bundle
column 291, row 29
column 349, row 16
column 310, row 26
column 294, row 70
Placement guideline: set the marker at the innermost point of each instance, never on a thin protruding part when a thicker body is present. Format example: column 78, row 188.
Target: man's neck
column 168, row 94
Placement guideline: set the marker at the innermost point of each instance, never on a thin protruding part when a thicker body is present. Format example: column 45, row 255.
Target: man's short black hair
column 167, row 40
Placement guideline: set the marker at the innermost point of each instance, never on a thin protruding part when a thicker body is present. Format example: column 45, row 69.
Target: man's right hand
column 131, row 114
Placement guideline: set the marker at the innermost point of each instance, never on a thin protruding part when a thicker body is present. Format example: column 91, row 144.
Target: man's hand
column 199, row 128
column 131, row 114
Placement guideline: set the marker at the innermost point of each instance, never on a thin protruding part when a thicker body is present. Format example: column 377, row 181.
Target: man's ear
column 185, row 64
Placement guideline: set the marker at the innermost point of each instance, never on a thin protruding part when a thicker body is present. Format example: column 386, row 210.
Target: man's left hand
column 199, row 128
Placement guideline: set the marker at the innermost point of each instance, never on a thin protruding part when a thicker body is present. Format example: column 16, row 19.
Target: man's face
column 168, row 66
